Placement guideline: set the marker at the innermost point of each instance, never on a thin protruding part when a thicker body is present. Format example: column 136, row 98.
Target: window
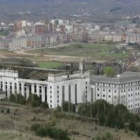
column 50, row 87
column 63, row 93
column 109, row 90
column 35, row 88
column 57, row 87
column 69, row 93
column 109, row 96
column 98, row 95
column 103, row 95
column 91, row 94
column 75, row 93
column 45, row 89
column 19, row 86
column 40, row 89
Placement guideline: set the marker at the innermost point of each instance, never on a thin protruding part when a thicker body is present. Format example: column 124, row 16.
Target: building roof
column 124, row 78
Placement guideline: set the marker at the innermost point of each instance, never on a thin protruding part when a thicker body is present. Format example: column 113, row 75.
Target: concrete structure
column 133, row 38
column 52, row 86
column 120, row 90
column 57, row 86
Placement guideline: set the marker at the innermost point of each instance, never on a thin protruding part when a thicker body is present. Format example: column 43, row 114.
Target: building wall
column 127, row 94
column 54, row 91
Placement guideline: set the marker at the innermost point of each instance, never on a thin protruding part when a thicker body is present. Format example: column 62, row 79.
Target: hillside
column 43, row 9
column 15, row 124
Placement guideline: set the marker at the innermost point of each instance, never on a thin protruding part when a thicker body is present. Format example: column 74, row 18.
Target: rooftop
column 125, row 77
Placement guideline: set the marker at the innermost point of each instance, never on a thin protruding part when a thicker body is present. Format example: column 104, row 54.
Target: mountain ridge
column 34, row 9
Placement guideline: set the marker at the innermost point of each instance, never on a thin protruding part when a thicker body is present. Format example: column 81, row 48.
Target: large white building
column 120, row 90
column 52, row 86
column 57, row 86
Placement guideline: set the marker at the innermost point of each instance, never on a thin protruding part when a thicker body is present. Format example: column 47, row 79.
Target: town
column 70, row 78
column 24, row 34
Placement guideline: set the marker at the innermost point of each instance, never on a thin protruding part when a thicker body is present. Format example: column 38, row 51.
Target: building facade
column 34, row 41
column 53, row 87
column 56, row 86
column 120, row 90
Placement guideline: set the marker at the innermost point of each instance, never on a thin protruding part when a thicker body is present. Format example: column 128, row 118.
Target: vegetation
column 77, row 127
column 33, row 100
column 50, row 65
column 69, row 107
column 17, row 98
column 109, row 71
column 110, row 115
column 106, row 136
column 4, row 32
column 52, row 132
column 96, row 51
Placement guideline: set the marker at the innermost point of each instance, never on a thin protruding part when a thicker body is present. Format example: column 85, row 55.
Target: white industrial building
column 52, row 86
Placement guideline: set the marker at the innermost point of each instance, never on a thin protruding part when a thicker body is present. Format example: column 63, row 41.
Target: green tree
column 68, row 107
column 34, row 100
column 109, row 71
column 12, row 98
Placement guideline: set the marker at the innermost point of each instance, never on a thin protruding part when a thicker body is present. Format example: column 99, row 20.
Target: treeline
column 107, row 115
column 33, row 100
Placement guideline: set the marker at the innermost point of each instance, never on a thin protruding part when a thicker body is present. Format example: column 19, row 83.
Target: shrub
column 18, row 98
column 51, row 132
column 35, row 126
column 2, row 111
column 44, row 105
column 41, row 131
column 12, row 98
column 8, row 111
column 34, row 100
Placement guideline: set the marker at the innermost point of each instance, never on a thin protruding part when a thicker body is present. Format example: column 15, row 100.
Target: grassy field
column 16, row 124
column 51, row 65
column 96, row 51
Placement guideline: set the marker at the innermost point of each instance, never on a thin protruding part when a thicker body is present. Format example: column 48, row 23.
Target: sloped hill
column 36, row 9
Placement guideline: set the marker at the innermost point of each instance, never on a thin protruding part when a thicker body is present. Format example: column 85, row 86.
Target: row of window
column 116, row 85
column 98, row 89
